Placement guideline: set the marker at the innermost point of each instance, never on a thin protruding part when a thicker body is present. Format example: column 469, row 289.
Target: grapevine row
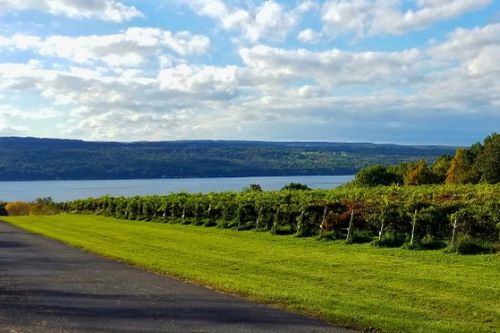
column 390, row 215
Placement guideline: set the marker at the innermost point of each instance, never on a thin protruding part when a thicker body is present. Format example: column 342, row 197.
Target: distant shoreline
column 174, row 178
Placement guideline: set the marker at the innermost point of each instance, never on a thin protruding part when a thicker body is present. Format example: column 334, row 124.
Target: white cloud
column 309, row 36
column 477, row 49
column 275, row 94
column 374, row 17
column 199, row 79
column 8, row 111
column 107, row 10
column 335, row 67
column 129, row 48
column 270, row 20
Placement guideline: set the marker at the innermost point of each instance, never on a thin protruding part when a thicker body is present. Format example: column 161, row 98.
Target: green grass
column 352, row 285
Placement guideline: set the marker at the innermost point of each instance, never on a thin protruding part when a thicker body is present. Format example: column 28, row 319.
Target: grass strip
column 393, row 290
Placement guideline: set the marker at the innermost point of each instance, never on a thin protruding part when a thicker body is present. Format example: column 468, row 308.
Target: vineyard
column 465, row 218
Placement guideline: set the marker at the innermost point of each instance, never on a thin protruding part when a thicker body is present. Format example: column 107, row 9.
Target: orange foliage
column 17, row 208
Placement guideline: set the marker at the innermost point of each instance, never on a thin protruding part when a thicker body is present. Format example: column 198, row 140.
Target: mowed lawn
column 352, row 285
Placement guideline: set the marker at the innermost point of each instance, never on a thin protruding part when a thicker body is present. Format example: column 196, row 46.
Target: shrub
column 495, row 248
column 296, row 187
column 431, row 243
column 3, row 211
column 252, row 188
column 361, row 236
column 428, row 242
column 375, row 175
column 468, row 245
column 17, row 208
column 326, row 236
column 389, row 239
column 39, row 209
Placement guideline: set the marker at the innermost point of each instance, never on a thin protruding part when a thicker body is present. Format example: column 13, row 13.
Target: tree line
column 479, row 163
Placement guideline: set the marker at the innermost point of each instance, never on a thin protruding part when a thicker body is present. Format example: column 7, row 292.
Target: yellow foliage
column 41, row 209
column 17, row 208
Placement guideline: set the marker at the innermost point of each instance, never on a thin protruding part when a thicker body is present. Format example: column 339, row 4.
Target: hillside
column 50, row 159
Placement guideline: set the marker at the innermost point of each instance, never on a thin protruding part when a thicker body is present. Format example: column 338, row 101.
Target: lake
column 62, row 190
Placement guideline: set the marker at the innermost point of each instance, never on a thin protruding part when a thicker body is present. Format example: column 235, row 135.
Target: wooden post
column 325, row 211
column 301, row 219
column 413, row 226
column 454, row 231
column 381, row 230
column 239, row 217
column 275, row 224
column 350, row 226
column 258, row 218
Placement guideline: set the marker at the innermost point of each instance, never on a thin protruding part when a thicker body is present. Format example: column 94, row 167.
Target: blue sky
column 411, row 72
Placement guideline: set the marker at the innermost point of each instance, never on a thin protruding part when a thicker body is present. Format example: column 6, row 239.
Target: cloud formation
column 278, row 77
column 129, row 48
column 269, row 20
column 379, row 17
column 107, row 10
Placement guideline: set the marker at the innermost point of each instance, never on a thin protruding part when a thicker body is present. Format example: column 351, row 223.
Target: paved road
column 47, row 286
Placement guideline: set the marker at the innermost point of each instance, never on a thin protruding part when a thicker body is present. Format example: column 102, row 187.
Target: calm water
column 74, row 189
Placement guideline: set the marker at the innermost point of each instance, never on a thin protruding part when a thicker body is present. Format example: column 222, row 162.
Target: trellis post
column 258, row 218
column 381, row 230
column 413, row 226
column 454, row 231
column 301, row 222
column 323, row 220
column 350, row 226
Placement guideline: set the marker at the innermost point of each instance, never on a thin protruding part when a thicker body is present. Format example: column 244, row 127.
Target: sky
column 399, row 71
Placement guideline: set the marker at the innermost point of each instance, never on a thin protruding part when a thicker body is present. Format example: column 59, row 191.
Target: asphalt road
column 47, row 286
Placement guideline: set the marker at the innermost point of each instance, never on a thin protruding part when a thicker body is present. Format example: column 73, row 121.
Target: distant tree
column 419, row 174
column 440, row 167
column 375, row 175
column 460, row 171
column 17, row 208
column 296, row 186
column 43, row 206
column 487, row 163
column 252, row 188
column 3, row 211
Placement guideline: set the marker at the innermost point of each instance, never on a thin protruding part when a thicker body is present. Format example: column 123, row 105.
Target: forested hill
column 48, row 159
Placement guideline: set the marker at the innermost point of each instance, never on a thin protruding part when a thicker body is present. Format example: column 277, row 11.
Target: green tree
column 487, row 163
column 419, row 174
column 296, row 186
column 253, row 188
column 375, row 175
column 460, row 171
column 440, row 167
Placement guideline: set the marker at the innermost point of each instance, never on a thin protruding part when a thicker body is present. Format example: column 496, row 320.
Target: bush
column 468, row 245
column 375, row 175
column 495, row 248
column 361, row 236
column 296, row 187
column 38, row 209
column 286, row 229
column 3, row 211
column 17, row 208
column 389, row 239
column 428, row 242
column 326, row 236
column 431, row 243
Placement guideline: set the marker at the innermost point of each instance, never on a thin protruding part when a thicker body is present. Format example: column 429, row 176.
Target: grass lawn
column 352, row 285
